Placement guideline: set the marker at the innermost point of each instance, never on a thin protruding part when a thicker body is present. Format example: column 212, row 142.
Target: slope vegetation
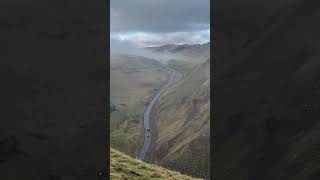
column 182, row 122
column 125, row 167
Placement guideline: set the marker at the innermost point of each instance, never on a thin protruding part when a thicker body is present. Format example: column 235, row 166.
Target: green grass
column 125, row 167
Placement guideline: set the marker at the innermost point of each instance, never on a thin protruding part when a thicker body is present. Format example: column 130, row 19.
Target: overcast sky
column 140, row 23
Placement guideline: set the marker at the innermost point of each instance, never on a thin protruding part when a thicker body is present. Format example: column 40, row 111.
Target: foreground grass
column 125, row 167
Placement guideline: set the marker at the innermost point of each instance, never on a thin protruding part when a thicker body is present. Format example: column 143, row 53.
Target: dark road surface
column 146, row 115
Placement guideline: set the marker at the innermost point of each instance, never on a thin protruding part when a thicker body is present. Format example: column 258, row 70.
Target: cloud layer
column 156, row 22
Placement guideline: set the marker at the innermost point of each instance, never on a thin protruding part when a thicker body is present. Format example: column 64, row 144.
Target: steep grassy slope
column 125, row 167
column 133, row 80
column 182, row 122
column 267, row 91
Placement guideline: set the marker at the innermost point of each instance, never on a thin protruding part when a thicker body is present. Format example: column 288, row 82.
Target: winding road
column 147, row 130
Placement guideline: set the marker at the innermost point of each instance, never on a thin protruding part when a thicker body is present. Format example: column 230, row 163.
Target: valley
column 146, row 115
column 172, row 128
column 133, row 81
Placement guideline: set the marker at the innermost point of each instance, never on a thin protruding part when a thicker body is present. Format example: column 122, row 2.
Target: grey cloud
column 159, row 16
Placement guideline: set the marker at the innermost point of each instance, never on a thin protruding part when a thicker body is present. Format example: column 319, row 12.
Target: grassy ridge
column 125, row 167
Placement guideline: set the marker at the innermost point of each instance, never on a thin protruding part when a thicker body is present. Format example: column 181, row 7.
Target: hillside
column 181, row 49
column 183, row 125
column 184, row 57
column 133, row 80
column 267, row 96
column 125, row 167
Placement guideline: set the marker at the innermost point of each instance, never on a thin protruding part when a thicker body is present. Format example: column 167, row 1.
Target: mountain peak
column 175, row 48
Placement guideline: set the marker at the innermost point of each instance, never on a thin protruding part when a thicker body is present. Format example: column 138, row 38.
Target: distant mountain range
column 191, row 54
column 173, row 48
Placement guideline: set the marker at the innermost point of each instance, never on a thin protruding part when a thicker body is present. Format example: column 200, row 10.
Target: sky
column 144, row 23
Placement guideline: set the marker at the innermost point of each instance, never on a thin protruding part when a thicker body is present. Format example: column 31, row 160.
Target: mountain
column 185, row 48
column 183, row 125
column 133, row 80
column 267, row 96
column 182, row 57
column 125, row 167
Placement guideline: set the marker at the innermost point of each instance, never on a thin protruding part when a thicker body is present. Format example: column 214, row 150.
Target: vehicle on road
column 146, row 114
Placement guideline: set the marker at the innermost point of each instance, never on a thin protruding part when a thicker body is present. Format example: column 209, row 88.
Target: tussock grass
column 125, row 167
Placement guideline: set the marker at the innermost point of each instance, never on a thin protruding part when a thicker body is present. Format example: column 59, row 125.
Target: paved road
column 146, row 115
